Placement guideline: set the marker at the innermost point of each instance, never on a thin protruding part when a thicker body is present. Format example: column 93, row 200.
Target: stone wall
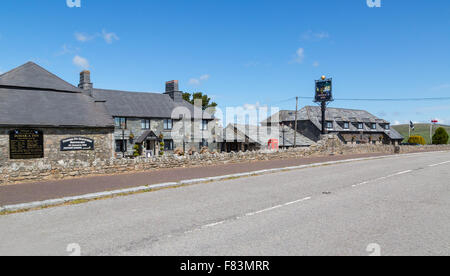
column 134, row 129
column 48, row 169
column 54, row 158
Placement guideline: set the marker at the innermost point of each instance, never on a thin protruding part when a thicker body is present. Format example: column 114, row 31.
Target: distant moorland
column 420, row 129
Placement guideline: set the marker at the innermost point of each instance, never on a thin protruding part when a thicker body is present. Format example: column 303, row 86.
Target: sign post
column 324, row 95
column 433, row 122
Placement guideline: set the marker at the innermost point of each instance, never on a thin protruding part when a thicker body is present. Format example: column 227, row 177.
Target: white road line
column 246, row 215
column 442, row 163
column 214, row 224
column 382, row 178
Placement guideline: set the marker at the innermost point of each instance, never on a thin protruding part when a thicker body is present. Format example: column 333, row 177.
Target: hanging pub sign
column 77, row 143
column 26, row 144
column 324, row 90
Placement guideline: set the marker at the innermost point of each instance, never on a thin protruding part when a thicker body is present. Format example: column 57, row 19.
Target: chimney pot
column 85, row 80
column 172, row 86
column 173, row 91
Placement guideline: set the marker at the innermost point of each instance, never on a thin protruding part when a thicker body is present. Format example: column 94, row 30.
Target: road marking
column 442, row 163
column 382, row 178
column 214, row 224
column 246, row 215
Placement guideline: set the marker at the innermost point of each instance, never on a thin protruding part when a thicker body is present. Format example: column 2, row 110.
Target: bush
column 440, row 137
column 137, row 151
column 417, row 140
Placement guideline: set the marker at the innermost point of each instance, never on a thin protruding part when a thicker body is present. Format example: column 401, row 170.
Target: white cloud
column 194, row 82
column 67, row 49
column 83, row 37
column 299, row 56
column 81, row 62
column 109, row 37
column 310, row 35
column 200, row 80
column 316, row 64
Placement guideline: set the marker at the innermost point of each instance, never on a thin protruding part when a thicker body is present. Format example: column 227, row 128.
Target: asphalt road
column 399, row 205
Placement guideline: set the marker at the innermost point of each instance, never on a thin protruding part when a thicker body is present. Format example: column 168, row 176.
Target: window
column 360, row 126
column 145, row 124
column 203, row 143
column 373, row 126
column 204, row 125
column 121, row 145
column 168, row 144
column 120, row 122
column 168, row 124
column 346, row 125
column 387, row 127
column 329, row 125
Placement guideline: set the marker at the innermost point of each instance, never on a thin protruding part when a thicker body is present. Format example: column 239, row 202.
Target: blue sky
column 244, row 51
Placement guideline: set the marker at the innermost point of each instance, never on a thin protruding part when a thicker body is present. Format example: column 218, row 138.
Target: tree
column 440, row 137
column 206, row 101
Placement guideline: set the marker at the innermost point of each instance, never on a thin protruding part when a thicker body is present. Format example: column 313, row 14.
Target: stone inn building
column 44, row 117
column 352, row 126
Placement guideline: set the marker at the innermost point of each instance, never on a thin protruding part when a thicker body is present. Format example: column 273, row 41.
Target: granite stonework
column 53, row 156
column 55, row 165
column 134, row 130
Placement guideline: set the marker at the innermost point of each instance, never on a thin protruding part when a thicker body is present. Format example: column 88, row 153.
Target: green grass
column 420, row 129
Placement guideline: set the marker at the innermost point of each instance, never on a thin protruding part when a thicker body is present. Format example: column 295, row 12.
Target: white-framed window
column 360, row 126
column 204, row 125
column 346, row 125
column 373, row 126
column 387, row 127
column 168, row 124
column 145, row 124
column 329, row 125
column 120, row 122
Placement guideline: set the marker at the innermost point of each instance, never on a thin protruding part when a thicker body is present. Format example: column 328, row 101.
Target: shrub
column 440, row 137
column 417, row 139
column 137, row 151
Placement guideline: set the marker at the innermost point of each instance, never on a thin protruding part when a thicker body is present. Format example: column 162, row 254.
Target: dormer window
column 373, row 126
column 360, row 126
column 346, row 125
column 329, row 125
column 387, row 127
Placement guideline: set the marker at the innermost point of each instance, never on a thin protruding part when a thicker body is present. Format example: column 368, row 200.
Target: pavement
column 398, row 205
column 45, row 190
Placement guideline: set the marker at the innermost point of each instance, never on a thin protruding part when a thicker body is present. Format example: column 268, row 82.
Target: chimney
column 85, row 80
column 173, row 91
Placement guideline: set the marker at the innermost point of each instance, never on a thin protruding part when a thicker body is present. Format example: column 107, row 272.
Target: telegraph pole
column 295, row 123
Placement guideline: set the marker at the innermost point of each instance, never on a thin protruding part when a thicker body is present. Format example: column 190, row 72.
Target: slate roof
column 31, row 75
column 144, row 105
column 332, row 114
column 31, row 96
column 262, row 135
column 338, row 116
column 394, row 134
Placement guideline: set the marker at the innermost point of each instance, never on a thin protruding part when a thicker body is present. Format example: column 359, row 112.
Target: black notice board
column 76, row 144
column 26, row 144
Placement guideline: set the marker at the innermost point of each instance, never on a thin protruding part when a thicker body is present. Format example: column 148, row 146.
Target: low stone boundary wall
column 18, row 172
